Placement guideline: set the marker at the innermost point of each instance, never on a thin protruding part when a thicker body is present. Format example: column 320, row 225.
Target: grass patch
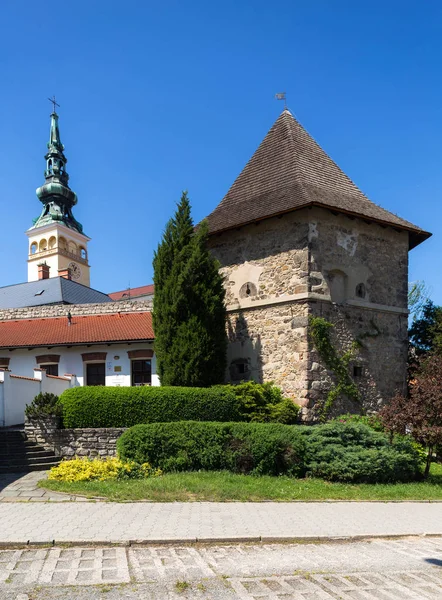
column 223, row 486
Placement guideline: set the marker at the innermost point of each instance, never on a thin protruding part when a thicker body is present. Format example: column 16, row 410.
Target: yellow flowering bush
column 98, row 469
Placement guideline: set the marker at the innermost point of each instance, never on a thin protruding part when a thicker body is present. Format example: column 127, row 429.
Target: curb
column 214, row 540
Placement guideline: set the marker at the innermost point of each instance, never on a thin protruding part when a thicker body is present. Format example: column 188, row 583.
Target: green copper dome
column 55, row 194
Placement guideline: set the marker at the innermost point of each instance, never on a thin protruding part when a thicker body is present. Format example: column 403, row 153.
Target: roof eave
column 416, row 237
column 69, row 344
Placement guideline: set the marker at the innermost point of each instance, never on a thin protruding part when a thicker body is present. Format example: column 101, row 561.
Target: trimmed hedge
column 99, row 406
column 256, row 448
column 127, row 406
column 355, row 453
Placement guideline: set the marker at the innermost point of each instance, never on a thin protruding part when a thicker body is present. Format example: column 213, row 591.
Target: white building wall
column 17, row 391
column 118, row 363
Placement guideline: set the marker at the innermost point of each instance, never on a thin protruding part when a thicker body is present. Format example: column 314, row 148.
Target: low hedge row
column 335, row 452
column 127, row 406
column 257, row 448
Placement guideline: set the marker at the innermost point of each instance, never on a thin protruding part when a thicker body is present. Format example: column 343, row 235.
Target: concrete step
column 5, row 458
column 18, row 455
column 26, row 468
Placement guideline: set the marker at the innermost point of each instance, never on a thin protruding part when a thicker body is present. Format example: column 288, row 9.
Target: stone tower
column 57, row 244
column 297, row 239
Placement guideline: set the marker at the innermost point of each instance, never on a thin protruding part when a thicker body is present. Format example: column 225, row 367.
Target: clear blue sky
column 157, row 97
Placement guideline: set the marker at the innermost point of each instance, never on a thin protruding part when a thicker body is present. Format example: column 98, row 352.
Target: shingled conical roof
column 289, row 171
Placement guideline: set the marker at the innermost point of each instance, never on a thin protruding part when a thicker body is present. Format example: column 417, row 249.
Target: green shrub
column 123, row 407
column 373, row 421
column 353, row 452
column 44, row 405
column 99, row 406
column 100, row 469
column 264, row 403
column 257, row 448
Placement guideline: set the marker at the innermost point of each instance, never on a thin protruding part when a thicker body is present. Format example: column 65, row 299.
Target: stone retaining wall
column 61, row 310
column 68, row 443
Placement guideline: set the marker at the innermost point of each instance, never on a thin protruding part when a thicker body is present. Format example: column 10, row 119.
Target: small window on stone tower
column 83, row 253
column 239, row 370
column 357, row 371
column 247, row 290
column 360, row 291
column 34, row 247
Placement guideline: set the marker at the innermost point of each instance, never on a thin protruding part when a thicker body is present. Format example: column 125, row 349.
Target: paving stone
column 124, row 522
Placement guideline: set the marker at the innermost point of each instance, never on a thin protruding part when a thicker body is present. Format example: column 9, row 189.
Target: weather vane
column 282, row 96
column 54, row 102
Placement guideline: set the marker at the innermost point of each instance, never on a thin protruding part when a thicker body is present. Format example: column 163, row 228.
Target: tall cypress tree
column 189, row 313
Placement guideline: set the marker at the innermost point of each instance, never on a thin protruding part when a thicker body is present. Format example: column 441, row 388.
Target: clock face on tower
column 75, row 270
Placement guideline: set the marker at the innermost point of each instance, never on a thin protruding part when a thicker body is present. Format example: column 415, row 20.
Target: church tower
column 57, row 244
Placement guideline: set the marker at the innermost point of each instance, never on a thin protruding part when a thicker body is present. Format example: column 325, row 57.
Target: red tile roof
column 144, row 290
column 88, row 329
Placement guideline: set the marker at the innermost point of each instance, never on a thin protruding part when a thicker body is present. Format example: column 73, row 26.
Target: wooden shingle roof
column 289, row 171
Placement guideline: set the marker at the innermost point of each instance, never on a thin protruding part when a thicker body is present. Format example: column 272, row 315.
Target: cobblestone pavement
column 23, row 487
column 76, row 522
column 377, row 569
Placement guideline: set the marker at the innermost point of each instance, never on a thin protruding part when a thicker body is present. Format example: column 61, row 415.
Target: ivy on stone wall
column 338, row 364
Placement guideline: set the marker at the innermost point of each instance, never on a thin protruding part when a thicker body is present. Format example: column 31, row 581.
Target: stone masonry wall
column 271, row 256
column 273, row 341
column 68, row 443
column 350, row 252
column 315, row 262
column 61, row 310
column 383, row 357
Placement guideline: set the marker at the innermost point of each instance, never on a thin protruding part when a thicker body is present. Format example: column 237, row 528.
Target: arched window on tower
column 52, row 242
column 34, row 247
column 50, row 170
column 72, row 247
column 43, row 245
column 83, row 253
column 360, row 290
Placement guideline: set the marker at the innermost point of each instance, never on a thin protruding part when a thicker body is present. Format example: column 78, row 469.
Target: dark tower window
column 360, row 291
column 357, row 371
column 239, row 370
column 247, row 290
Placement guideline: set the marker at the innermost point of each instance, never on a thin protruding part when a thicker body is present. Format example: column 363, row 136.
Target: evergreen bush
column 100, row 406
column 355, row 453
column 256, row 448
column 44, row 405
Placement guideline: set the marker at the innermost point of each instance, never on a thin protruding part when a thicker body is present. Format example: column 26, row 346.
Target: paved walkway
column 378, row 570
column 23, row 487
column 98, row 522
column 29, row 514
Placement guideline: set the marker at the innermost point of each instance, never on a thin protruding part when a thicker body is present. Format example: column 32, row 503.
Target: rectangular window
column 141, row 372
column 96, row 373
column 357, row 371
column 50, row 369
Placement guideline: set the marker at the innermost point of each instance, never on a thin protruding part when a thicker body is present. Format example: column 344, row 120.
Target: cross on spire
column 54, row 102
